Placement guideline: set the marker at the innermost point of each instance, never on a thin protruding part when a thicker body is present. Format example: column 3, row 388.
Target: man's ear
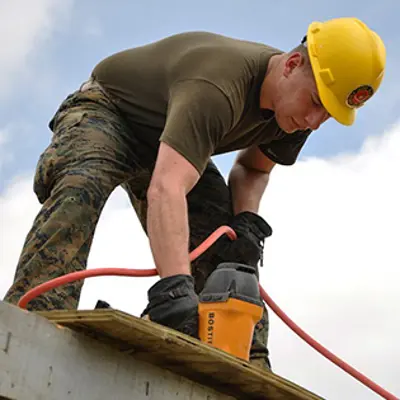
column 293, row 61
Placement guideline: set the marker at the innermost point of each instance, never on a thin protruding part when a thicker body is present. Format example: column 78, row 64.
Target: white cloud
column 24, row 26
column 331, row 264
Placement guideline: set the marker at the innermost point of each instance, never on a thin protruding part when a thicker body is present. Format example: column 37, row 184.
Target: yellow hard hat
column 348, row 61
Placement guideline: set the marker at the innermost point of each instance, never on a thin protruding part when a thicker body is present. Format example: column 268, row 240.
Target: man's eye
column 317, row 103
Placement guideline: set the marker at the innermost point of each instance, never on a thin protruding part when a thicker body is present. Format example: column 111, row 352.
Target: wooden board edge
column 71, row 318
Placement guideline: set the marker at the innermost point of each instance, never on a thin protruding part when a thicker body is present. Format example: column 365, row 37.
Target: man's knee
column 79, row 188
column 69, row 215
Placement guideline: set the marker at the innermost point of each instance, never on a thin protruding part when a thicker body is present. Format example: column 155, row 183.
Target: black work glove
column 174, row 303
column 251, row 231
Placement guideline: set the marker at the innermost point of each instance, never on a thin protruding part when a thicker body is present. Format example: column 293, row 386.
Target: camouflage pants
column 92, row 152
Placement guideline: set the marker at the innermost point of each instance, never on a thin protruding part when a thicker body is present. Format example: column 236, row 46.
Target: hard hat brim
column 340, row 112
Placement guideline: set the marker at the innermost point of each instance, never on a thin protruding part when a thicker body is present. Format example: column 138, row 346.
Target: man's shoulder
column 214, row 40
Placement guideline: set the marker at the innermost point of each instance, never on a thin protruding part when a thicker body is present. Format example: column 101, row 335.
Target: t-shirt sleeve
column 286, row 150
column 198, row 116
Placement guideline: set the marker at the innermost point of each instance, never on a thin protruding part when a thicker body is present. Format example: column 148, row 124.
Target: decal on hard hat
column 359, row 96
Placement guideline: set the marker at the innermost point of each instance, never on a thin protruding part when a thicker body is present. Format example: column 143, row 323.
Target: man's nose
column 316, row 117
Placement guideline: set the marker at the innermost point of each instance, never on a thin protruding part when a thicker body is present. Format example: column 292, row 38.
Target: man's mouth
column 295, row 124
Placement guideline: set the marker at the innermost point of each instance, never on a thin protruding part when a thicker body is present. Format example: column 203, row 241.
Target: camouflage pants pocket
column 48, row 161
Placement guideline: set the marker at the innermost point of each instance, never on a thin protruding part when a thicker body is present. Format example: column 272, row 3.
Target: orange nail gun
column 230, row 306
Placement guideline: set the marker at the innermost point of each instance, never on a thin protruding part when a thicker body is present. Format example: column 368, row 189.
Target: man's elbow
column 160, row 189
column 157, row 190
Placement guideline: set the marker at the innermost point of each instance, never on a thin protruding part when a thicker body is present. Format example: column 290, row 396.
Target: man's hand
column 248, row 179
column 251, row 230
column 167, row 218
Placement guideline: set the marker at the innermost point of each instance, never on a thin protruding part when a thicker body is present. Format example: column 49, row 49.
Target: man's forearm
column 168, row 230
column 247, row 187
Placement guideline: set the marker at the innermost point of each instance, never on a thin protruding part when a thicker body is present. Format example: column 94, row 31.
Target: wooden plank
column 180, row 354
column 42, row 360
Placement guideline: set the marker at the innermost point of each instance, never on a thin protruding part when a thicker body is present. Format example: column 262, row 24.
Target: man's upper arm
column 173, row 172
column 198, row 116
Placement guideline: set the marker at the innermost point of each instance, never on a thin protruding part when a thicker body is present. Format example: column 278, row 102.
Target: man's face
column 297, row 104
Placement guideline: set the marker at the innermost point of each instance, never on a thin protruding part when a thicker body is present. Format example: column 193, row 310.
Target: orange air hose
column 44, row 287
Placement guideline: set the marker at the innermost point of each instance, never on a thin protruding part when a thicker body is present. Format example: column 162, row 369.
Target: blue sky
column 85, row 32
column 332, row 262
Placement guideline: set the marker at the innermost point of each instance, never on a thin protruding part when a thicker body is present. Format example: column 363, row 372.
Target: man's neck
column 269, row 84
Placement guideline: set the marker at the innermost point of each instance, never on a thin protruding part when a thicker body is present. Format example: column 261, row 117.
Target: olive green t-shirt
column 199, row 93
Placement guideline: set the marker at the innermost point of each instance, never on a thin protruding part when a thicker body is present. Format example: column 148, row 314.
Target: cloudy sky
column 332, row 263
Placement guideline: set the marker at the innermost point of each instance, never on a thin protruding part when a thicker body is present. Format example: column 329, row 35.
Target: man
column 150, row 118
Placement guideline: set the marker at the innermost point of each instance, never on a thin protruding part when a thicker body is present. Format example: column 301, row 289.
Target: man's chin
column 287, row 126
column 289, row 131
